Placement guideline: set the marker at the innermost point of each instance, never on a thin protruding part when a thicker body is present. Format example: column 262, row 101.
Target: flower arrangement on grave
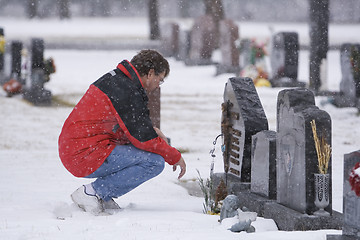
column 354, row 179
column 321, row 179
column 212, row 202
column 258, row 51
column 323, row 150
column 256, row 67
column 2, row 44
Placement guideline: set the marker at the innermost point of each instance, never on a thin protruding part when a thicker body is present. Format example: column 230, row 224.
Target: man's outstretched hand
column 181, row 163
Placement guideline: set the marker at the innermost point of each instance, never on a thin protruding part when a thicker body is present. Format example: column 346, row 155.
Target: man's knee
column 158, row 163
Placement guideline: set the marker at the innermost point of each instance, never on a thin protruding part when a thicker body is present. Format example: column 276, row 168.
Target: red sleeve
column 155, row 145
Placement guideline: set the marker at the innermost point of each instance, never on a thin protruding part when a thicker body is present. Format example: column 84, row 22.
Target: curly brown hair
column 150, row 59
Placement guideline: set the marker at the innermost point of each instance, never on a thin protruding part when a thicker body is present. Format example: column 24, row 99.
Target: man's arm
column 181, row 163
column 160, row 134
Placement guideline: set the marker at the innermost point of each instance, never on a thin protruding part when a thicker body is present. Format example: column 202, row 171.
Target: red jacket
column 112, row 112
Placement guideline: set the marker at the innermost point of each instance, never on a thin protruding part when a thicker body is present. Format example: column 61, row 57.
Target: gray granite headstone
column 351, row 206
column 184, row 45
column 243, row 116
column 202, row 41
column 263, row 164
column 229, row 34
column 351, row 203
column 245, row 52
column 295, row 150
column 350, row 81
column 284, row 60
column 170, row 39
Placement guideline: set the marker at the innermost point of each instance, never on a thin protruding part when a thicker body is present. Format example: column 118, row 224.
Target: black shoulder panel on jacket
column 130, row 102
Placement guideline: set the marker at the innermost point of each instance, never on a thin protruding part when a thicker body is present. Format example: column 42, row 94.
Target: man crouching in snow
column 109, row 135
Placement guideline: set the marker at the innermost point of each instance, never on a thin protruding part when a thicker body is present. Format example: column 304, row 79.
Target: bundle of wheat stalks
column 323, row 150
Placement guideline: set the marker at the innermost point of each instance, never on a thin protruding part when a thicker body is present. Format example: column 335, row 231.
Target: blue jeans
column 124, row 169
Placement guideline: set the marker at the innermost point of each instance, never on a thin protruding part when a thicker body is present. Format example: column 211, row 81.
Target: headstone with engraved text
column 243, row 116
column 296, row 153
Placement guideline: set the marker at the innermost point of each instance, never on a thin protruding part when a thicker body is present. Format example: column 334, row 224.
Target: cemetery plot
column 281, row 166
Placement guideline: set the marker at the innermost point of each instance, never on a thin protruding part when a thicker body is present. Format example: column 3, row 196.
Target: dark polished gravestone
column 202, row 41
column 16, row 48
column 263, row 164
column 243, row 116
column 35, row 91
column 296, row 153
column 351, row 203
column 229, row 34
column 284, row 60
column 350, row 81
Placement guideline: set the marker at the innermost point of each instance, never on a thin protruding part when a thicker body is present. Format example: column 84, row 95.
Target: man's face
column 151, row 81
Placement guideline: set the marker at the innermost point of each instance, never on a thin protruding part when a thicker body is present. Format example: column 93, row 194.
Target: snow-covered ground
column 35, row 187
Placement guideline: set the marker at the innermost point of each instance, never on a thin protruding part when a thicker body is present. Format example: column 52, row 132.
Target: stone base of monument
column 290, row 220
column 341, row 237
column 233, row 183
column 343, row 101
column 38, row 97
column 253, row 202
column 220, row 69
column 287, row 82
column 286, row 218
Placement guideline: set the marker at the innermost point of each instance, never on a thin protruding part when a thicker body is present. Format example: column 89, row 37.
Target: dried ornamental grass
column 323, row 150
